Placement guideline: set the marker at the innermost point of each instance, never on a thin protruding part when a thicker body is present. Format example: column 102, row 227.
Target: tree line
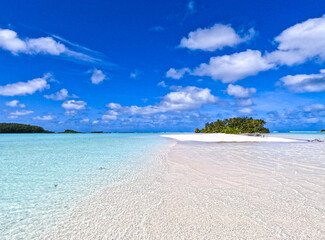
column 21, row 128
column 235, row 126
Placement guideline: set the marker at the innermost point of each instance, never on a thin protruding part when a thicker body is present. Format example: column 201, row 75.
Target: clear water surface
column 44, row 175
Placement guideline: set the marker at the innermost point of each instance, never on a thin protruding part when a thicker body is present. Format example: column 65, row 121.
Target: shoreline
column 211, row 191
column 222, row 137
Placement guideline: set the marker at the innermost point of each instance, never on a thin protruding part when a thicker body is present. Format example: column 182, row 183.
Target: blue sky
column 162, row 65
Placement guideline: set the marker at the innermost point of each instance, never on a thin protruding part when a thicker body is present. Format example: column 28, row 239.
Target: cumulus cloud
column 72, row 106
column 60, row 95
column 216, row 37
column 25, row 88
column 305, row 83
column 231, row 68
column 44, row 118
column 20, row 113
column 239, row 91
column 300, row 43
column 314, row 107
column 97, row 76
column 10, row 41
column 181, row 99
column 246, row 111
column 15, row 103
column 176, row 73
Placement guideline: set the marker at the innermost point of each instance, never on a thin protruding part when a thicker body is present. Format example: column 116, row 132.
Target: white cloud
column 15, row 103
column 72, row 106
column 182, row 99
column 246, row 111
column 244, row 102
column 162, row 84
column 44, row 118
column 111, row 115
column 21, row 113
column 114, row 106
column 239, row 91
column 85, row 120
column 176, row 73
column 305, row 83
column 60, row 95
column 24, row 88
column 231, row 68
column 10, row 41
column 216, row 37
column 97, row 76
column 300, row 43
column 95, row 121
column 314, row 107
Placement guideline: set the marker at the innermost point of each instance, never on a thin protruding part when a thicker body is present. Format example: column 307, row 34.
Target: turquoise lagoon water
column 44, row 175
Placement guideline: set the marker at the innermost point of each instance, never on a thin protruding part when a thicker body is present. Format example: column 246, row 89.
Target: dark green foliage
column 96, row 132
column 322, row 130
column 235, row 126
column 21, row 128
column 70, row 131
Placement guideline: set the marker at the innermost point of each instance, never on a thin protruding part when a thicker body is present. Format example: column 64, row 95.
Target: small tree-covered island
column 21, row 128
column 323, row 131
column 235, row 126
column 69, row 131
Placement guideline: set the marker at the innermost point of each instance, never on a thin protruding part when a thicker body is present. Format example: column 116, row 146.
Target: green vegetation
column 70, row 131
column 96, row 132
column 235, row 126
column 21, row 128
column 322, row 130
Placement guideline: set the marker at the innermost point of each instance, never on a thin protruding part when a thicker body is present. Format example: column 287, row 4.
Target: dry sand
column 221, row 137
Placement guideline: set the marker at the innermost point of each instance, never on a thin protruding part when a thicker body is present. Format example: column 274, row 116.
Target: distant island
column 21, row 128
column 69, row 131
column 96, row 132
column 235, row 126
column 323, row 130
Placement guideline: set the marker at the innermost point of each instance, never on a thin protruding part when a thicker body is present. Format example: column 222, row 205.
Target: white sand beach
column 199, row 190
column 221, row 137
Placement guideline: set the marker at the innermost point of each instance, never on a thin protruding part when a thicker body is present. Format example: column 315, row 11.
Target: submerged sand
column 211, row 191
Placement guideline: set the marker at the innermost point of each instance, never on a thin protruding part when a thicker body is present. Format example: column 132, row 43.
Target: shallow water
column 42, row 176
